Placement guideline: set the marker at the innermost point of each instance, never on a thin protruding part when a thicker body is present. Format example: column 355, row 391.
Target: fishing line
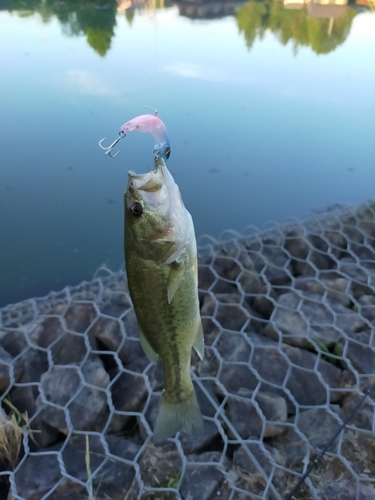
column 315, row 462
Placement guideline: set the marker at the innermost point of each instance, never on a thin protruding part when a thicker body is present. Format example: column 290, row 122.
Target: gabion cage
column 289, row 318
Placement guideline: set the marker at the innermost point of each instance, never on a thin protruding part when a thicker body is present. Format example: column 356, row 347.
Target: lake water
column 269, row 108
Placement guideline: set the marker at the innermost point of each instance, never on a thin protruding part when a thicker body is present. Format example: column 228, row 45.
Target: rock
column 367, row 307
column 131, row 324
column 305, row 384
column 361, row 282
column 242, row 413
column 37, row 475
column 294, row 447
column 347, row 490
column 32, row 364
column 79, row 316
column 318, row 425
column 206, row 277
column 234, row 376
column 358, row 351
column 266, row 456
column 129, row 393
column 233, row 347
column 63, row 384
column 115, row 476
column 13, row 341
column 358, row 449
column 277, row 270
column 265, row 304
column 108, row 332
column 299, row 248
column 226, row 310
column 335, row 287
column 363, row 418
column 160, row 466
column 301, row 327
column 65, row 347
column 272, row 365
column 8, row 373
column 202, row 481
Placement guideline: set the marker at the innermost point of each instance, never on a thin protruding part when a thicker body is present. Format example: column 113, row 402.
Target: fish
column 162, row 272
column 148, row 124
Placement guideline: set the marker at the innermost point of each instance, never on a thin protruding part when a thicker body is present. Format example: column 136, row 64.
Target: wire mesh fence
column 289, row 319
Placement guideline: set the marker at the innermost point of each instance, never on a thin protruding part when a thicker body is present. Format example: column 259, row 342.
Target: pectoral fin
column 148, row 350
column 174, row 279
column 199, row 342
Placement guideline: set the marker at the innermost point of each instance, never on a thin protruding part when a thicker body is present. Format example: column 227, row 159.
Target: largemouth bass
column 162, row 271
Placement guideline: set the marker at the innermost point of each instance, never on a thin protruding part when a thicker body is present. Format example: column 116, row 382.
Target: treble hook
column 109, row 148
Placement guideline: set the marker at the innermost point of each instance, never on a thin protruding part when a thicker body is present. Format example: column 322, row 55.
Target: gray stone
column 266, row 456
column 277, row 270
column 363, row 418
column 160, row 465
column 129, row 393
column 6, row 368
column 79, row 316
column 361, row 282
column 131, row 324
column 32, row 363
column 63, row 384
column 358, row 449
column 293, row 446
column 65, row 347
column 313, row 321
column 243, row 415
column 367, row 307
column 358, row 351
column 226, row 310
column 306, row 386
column 347, row 490
column 235, row 375
column 202, row 481
column 272, row 364
column 206, row 277
column 318, row 425
column 334, row 286
column 37, row 475
column 233, row 347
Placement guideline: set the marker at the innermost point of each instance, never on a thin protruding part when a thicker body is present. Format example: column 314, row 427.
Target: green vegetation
column 94, row 19
column 256, row 17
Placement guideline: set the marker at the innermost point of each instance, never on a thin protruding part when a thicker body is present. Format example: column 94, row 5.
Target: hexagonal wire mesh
column 288, row 315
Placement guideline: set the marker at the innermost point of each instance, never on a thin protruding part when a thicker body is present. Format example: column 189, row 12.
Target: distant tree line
column 96, row 20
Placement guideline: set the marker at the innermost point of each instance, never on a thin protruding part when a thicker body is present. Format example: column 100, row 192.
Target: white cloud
column 188, row 70
column 86, row 82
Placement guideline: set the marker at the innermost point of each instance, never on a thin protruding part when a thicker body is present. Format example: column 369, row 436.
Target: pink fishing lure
column 147, row 124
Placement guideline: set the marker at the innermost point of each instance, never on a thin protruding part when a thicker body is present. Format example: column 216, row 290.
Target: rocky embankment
column 289, row 322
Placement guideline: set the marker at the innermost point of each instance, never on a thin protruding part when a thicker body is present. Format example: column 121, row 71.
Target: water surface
column 269, row 107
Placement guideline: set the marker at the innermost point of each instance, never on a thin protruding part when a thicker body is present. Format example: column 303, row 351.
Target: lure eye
column 137, row 209
column 167, row 152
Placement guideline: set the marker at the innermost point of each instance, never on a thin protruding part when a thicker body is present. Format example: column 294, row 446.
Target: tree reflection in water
column 299, row 25
column 304, row 23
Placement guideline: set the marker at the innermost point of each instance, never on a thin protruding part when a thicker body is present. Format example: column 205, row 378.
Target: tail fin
column 175, row 416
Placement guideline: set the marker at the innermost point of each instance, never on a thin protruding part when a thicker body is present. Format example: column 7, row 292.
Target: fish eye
column 137, row 209
column 167, row 152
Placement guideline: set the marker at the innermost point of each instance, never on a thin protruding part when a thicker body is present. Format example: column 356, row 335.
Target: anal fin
column 148, row 350
column 199, row 342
